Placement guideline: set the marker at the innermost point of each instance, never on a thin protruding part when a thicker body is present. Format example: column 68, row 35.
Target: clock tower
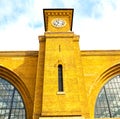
column 60, row 68
column 58, row 21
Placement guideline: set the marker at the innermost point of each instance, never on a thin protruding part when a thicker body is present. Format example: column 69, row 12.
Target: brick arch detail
column 99, row 83
column 20, row 86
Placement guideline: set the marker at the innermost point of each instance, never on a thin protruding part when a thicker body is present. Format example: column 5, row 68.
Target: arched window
column 108, row 100
column 11, row 103
column 60, row 78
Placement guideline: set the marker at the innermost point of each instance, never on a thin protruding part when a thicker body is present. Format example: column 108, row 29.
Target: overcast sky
column 96, row 21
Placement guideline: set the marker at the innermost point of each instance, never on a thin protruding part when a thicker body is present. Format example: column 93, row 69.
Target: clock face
column 58, row 22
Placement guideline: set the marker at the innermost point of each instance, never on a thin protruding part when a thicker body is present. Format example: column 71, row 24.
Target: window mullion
column 11, row 104
column 107, row 102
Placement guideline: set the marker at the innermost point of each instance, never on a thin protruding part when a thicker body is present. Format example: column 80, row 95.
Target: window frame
column 110, row 95
column 12, row 91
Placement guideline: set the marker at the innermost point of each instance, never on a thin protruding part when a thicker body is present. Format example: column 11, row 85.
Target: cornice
column 100, row 52
column 83, row 53
column 59, row 34
column 18, row 53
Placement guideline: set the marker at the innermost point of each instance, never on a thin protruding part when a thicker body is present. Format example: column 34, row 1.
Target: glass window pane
column 108, row 100
column 11, row 103
column 60, row 78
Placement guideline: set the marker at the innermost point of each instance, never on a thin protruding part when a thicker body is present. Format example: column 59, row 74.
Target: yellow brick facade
column 35, row 74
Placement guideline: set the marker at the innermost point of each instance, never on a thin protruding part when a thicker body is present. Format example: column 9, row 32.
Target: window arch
column 11, row 103
column 108, row 100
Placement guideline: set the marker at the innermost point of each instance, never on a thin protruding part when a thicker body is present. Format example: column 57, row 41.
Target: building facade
column 60, row 80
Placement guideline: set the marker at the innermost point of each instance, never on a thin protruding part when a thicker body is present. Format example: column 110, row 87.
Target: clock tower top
column 58, row 20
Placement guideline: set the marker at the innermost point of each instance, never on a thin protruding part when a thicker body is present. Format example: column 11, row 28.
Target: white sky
column 96, row 21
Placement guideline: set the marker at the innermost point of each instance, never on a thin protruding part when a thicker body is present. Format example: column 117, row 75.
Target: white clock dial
column 58, row 22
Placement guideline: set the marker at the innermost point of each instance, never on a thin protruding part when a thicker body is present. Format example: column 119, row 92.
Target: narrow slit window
column 60, row 78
